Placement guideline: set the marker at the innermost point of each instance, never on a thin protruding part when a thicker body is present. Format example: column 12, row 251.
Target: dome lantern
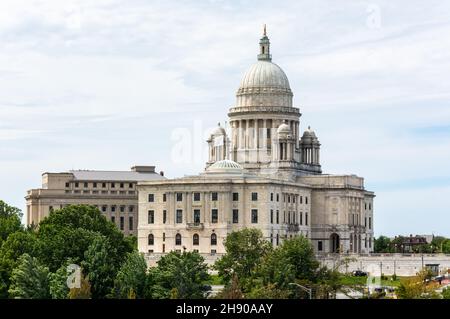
column 264, row 47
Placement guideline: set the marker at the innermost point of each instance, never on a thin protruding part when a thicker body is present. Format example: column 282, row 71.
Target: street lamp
column 308, row 290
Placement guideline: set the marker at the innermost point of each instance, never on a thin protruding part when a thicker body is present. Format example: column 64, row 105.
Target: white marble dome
column 284, row 129
column 225, row 166
column 265, row 74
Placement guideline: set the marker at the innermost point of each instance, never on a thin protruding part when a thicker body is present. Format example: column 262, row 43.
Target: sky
column 108, row 84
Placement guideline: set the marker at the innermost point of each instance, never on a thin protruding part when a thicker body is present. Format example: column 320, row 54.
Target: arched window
column 195, row 240
column 177, row 239
column 213, row 239
column 151, row 239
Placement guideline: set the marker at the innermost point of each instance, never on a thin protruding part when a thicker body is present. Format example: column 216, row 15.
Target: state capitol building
column 263, row 172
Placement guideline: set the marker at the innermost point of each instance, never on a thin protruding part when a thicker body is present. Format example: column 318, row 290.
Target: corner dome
column 284, row 129
column 265, row 74
column 218, row 131
column 225, row 166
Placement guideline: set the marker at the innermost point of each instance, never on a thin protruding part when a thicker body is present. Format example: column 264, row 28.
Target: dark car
column 359, row 273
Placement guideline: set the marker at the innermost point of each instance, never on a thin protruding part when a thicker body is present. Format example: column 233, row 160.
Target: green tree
column 10, row 220
column 446, row 293
column 29, row 279
column 446, row 246
column 382, row 244
column 68, row 232
column 58, row 283
column 13, row 247
column 245, row 250
column 416, row 287
column 99, row 266
column 179, row 275
column 131, row 277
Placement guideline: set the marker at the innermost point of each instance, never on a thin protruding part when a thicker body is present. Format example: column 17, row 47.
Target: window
column 254, row 196
column 289, row 198
column 67, row 184
column 365, row 242
column 301, row 199
column 113, row 208
column 103, row 208
column 213, row 239
column 151, row 216
column 103, row 185
column 164, row 216
column 195, row 240
column 76, row 184
column 278, row 239
column 235, row 216
column 130, row 222
column 197, row 216
column 271, row 238
column 113, row 185
column 271, row 216
column 86, row 185
column 151, row 239
column 301, row 218
column 278, row 217
column 121, row 185
column 235, row 197
column 293, row 198
column 151, row 198
column 214, row 215
column 365, row 222
column 278, row 197
column 179, row 216
column 177, row 239
column 370, row 242
column 164, row 236
column 113, row 219
column 122, row 222
column 179, row 197
column 365, row 205
column 122, row 209
column 319, row 245
column 164, row 197
column 254, row 216
column 370, row 222
column 50, row 208
column 196, row 197
column 306, row 200
column 370, row 206
column 213, row 252
column 271, row 197
column 131, row 208
column 306, row 219
column 214, row 196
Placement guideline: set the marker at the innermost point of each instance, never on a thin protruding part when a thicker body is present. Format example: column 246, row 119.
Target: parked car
column 359, row 273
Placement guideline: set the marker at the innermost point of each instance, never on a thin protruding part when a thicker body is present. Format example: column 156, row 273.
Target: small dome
column 309, row 136
column 284, row 129
column 225, row 166
column 218, row 131
column 265, row 74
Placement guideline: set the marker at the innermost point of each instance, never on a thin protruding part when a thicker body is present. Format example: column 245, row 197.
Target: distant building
column 114, row 193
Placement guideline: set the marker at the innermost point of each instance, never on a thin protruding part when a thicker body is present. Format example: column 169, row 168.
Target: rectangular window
column 365, row 222
column 306, row 219
column 122, row 222
column 196, row 197
column 76, row 184
column 86, row 185
column 103, row 208
column 254, row 196
column 254, row 216
column 113, row 208
column 151, row 198
column 214, row 215
column 67, row 184
column 370, row 222
column 164, row 216
column 103, row 185
column 151, row 216
column 179, row 197
column 289, row 198
column 122, row 209
column 130, row 185
column 271, row 216
column 319, row 246
column 164, row 197
column 278, row 217
column 214, row 196
column 301, row 199
column 94, row 185
column 50, row 208
column 121, row 185
column 113, row 185
column 306, row 200
column 271, row 197
column 235, row 216
column 370, row 206
column 293, row 198
column 131, row 209
column 197, row 216
column 179, row 216
column 235, row 197
column 130, row 222
column 301, row 218
column 113, row 219
column 278, row 197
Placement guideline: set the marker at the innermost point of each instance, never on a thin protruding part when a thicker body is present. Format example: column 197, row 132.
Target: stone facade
column 263, row 153
column 114, row 193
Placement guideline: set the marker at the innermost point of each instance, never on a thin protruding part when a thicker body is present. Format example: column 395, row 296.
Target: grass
column 348, row 280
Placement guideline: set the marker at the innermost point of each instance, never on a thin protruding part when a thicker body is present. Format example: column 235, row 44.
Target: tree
column 30, row 279
column 84, row 292
column 382, row 244
column 99, row 266
column 179, row 275
column 245, row 250
column 446, row 246
column 131, row 277
column 10, row 220
column 417, row 287
column 231, row 291
column 13, row 247
column 58, row 283
column 68, row 233
column 446, row 293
